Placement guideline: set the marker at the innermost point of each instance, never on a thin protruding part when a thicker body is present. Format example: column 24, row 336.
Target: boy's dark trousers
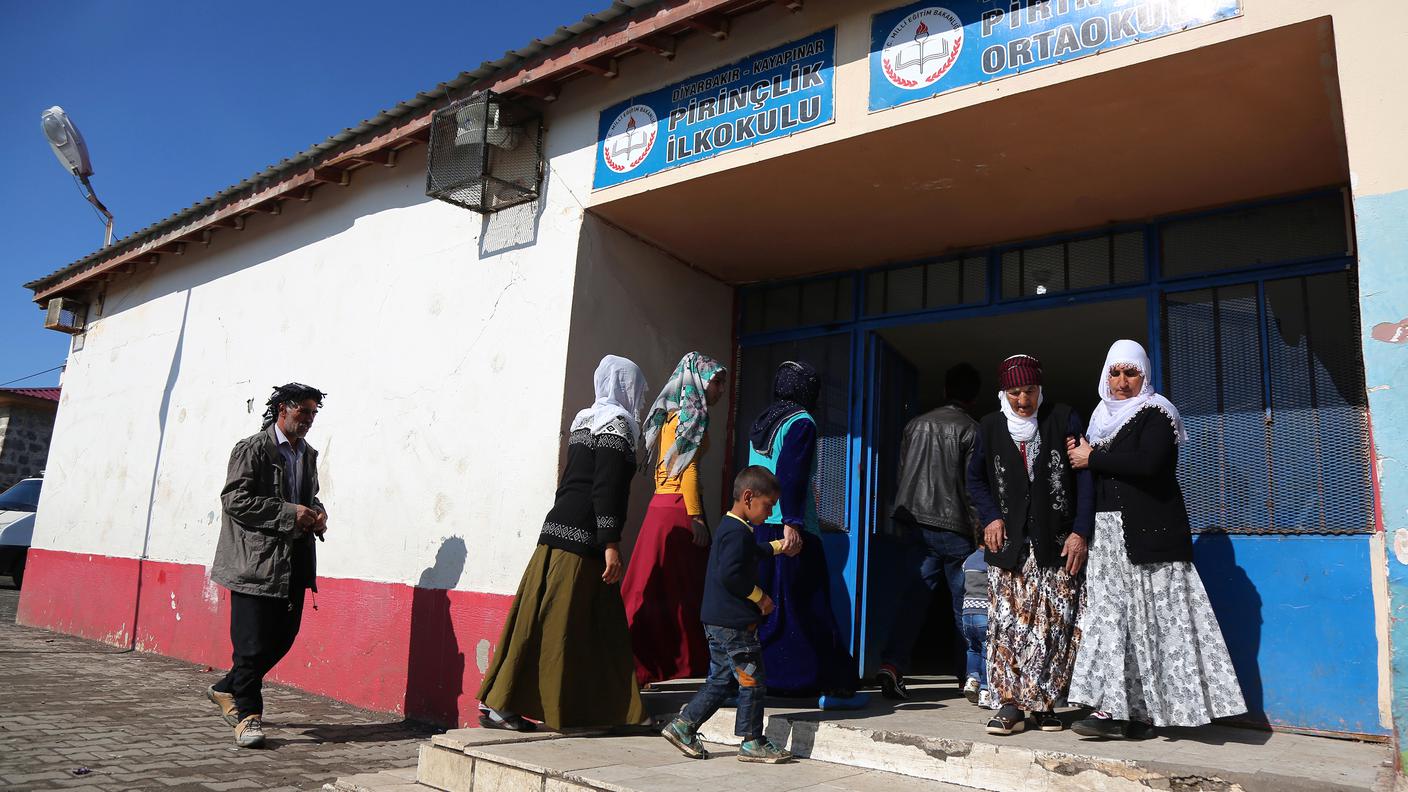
column 262, row 630
column 735, row 665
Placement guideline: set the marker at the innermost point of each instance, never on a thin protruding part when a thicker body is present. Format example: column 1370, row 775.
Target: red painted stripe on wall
column 390, row 647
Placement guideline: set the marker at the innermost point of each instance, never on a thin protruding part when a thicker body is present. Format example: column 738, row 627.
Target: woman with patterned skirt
column 1038, row 514
column 1151, row 653
column 802, row 646
column 564, row 657
column 664, row 585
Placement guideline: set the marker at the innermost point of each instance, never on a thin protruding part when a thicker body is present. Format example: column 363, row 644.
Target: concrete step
column 635, row 764
column 947, row 742
column 933, row 743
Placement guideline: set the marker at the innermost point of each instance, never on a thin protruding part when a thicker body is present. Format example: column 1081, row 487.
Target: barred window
column 1086, row 263
column 831, row 355
column 1305, row 228
column 936, row 284
column 1271, row 388
column 783, row 306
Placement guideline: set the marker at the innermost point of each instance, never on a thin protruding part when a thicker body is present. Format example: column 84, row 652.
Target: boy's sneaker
column 226, row 703
column 249, row 733
column 985, row 699
column 762, row 750
column 970, row 690
column 682, row 736
column 892, row 683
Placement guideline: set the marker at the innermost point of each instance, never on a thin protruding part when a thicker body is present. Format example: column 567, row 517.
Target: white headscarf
column 1021, row 429
column 620, row 393
column 1112, row 414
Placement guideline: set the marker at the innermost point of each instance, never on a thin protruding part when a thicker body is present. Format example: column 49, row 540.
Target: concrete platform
column 939, row 735
column 933, row 743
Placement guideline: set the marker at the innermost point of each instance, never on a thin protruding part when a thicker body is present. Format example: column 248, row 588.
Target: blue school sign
column 929, row 48
column 768, row 95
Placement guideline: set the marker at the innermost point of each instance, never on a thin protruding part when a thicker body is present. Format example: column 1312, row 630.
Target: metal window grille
column 1306, row 228
column 486, row 154
column 1270, row 384
column 831, row 355
column 1084, row 263
column 796, row 304
column 937, row 284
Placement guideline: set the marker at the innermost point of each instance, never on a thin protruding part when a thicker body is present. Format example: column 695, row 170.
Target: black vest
column 1040, row 512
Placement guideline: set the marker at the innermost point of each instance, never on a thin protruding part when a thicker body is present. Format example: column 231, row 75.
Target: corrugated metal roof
column 47, row 394
column 365, row 129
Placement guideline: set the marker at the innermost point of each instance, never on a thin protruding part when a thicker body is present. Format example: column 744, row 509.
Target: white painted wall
column 439, row 337
column 634, row 300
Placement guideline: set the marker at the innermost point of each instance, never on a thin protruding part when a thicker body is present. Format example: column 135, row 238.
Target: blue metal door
column 892, row 385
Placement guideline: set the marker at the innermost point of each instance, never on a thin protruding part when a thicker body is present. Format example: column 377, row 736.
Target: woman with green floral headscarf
column 664, row 585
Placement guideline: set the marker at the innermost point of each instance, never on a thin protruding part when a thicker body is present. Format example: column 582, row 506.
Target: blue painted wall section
column 1381, row 226
column 1298, row 616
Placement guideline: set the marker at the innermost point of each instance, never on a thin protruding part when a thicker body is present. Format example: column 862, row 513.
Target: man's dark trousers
column 940, row 556
column 262, row 630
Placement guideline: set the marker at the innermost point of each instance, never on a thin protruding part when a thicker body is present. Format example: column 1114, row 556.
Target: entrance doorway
column 910, row 362
column 1250, row 317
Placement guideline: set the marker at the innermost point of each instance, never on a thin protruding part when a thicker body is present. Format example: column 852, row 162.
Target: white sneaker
column 970, row 689
column 985, row 699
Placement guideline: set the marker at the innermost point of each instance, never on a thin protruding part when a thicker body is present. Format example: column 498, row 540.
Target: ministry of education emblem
column 629, row 139
column 922, row 47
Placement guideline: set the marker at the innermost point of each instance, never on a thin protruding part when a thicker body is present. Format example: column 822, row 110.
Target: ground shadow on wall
column 435, row 664
column 1237, row 605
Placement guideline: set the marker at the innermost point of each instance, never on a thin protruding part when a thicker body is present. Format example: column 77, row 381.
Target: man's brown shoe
column 226, row 703
column 249, row 733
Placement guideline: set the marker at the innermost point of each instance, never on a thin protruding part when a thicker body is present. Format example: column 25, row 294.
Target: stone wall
column 24, row 441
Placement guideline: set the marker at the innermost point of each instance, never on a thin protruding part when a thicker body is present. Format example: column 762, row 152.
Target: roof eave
column 536, row 71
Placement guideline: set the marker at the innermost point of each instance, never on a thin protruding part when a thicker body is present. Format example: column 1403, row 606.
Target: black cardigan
column 590, row 507
column 1136, row 476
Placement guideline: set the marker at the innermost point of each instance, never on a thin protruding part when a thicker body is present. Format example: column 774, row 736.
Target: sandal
column 510, row 722
column 1048, row 722
column 1008, row 720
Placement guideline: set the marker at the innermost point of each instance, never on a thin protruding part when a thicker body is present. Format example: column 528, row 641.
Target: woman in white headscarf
column 1151, row 651
column 564, row 657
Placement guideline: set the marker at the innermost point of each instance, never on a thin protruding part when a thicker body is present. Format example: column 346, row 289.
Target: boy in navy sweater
column 733, row 606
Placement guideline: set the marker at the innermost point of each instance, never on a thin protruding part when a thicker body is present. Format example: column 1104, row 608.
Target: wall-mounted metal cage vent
column 486, row 154
column 65, row 315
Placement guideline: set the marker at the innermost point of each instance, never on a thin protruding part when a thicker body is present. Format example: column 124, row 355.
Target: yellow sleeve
column 776, row 546
column 689, row 486
column 757, row 595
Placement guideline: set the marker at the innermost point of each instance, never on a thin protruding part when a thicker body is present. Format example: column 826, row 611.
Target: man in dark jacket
column 932, row 502
column 265, row 555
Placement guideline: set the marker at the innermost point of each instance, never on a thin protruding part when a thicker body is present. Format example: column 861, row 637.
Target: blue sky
column 178, row 100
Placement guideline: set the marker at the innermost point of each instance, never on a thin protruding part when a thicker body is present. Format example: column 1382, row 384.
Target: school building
column 883, row 190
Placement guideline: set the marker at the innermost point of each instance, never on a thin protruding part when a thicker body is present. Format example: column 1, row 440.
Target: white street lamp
column 72, row 153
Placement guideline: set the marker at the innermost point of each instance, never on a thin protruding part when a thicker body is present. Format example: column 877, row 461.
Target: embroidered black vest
column 1039, row 513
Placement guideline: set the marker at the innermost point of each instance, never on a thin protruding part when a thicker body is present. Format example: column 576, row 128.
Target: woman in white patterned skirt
column 1151, row 652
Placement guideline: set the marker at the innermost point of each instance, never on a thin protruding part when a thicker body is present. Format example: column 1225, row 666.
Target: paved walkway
column 137, row 721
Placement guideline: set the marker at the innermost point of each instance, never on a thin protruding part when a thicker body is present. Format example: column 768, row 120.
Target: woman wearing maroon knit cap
column 1038, row 514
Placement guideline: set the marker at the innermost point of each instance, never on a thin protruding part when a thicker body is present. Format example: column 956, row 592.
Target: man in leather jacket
column 932, row 502
column 266, row 555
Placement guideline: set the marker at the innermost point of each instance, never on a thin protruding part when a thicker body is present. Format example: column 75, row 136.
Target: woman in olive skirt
column 564, row 657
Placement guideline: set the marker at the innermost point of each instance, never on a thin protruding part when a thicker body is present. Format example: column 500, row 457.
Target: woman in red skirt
column 664, row 585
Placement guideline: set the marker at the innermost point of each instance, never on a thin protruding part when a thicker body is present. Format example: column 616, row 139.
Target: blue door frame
column 1279, row 676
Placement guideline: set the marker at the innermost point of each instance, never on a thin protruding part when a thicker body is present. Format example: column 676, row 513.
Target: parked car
column 17, row 507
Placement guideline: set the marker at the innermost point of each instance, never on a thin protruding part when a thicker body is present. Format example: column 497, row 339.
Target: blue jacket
column 731, row 580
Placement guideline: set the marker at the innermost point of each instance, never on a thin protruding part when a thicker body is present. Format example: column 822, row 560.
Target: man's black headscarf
column 795, row 388
column 295, row 392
